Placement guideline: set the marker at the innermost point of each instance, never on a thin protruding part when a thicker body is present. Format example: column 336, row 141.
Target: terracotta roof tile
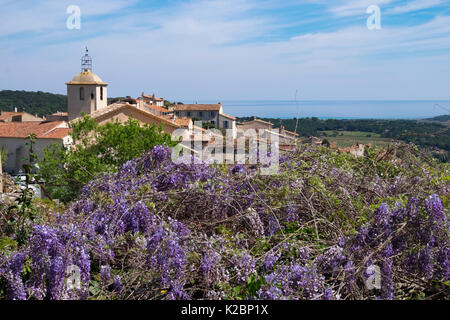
column 119, row 106
column 58, row 133
column 184, row 122
column 227, row 116
column 24, row 129
column 156, row 107
column 198, row 107
column 257, row 120
column 146, row 96
column 5, row 114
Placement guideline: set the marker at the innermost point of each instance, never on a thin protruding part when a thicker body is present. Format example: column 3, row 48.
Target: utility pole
column 298, row 111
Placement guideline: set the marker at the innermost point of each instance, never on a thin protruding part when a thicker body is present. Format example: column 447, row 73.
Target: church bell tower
column 86, row 93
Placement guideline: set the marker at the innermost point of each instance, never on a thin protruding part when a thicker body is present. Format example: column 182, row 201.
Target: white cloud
column 415, row 6
column 355, row 7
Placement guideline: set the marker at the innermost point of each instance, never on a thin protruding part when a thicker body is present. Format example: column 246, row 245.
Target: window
column 188, row 114
column 225, row 124
column 200, row 114
column 101, row 93
column 213, row 114
column 81, row 93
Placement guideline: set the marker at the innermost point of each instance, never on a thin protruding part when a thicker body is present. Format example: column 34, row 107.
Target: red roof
column 161, row 109
column 256, row 120
column 6, row 115
column 117, row 107
column 184, row 122
column 45, row 130
column 198, row 107
column 227, row 116
column 152, row 97
column 58, row 133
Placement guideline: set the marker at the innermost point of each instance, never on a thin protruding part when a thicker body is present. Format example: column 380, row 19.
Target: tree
column 97, row 149
column 42, row 103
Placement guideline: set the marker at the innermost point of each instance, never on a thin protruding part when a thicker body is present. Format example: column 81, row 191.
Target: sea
column 285, row 109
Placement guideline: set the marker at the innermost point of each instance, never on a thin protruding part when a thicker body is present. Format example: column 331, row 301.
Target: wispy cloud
column 355, row 7
column 415, row 6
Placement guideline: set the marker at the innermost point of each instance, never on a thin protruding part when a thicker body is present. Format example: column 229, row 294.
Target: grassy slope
column 348, row 138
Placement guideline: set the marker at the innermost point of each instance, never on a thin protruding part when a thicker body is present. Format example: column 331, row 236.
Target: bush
column 160, row 230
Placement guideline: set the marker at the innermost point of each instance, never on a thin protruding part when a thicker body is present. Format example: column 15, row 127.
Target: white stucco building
column 212, row 113
column 14, row 138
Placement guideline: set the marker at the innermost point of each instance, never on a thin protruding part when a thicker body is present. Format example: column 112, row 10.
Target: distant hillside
column 427, row 134
column 443, row 118
column 40, row 103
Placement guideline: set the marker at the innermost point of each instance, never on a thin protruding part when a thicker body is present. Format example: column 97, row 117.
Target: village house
column 255, row 124
column 18, row 117
column 289, row 134
column 57, row 116
column 151, row 100
column 286, row 139
column 123, row 111
column 212, row 113
column 14, row 138
column 153, row 109
column 128, row 99
column 202, row 112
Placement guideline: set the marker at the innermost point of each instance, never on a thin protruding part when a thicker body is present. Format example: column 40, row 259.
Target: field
column 345, row 139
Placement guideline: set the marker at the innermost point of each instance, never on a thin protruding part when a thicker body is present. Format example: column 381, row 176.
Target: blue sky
column 233, row 49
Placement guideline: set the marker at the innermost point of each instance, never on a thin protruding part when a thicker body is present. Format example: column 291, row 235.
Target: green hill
column 443, row 118
column 40, row 103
